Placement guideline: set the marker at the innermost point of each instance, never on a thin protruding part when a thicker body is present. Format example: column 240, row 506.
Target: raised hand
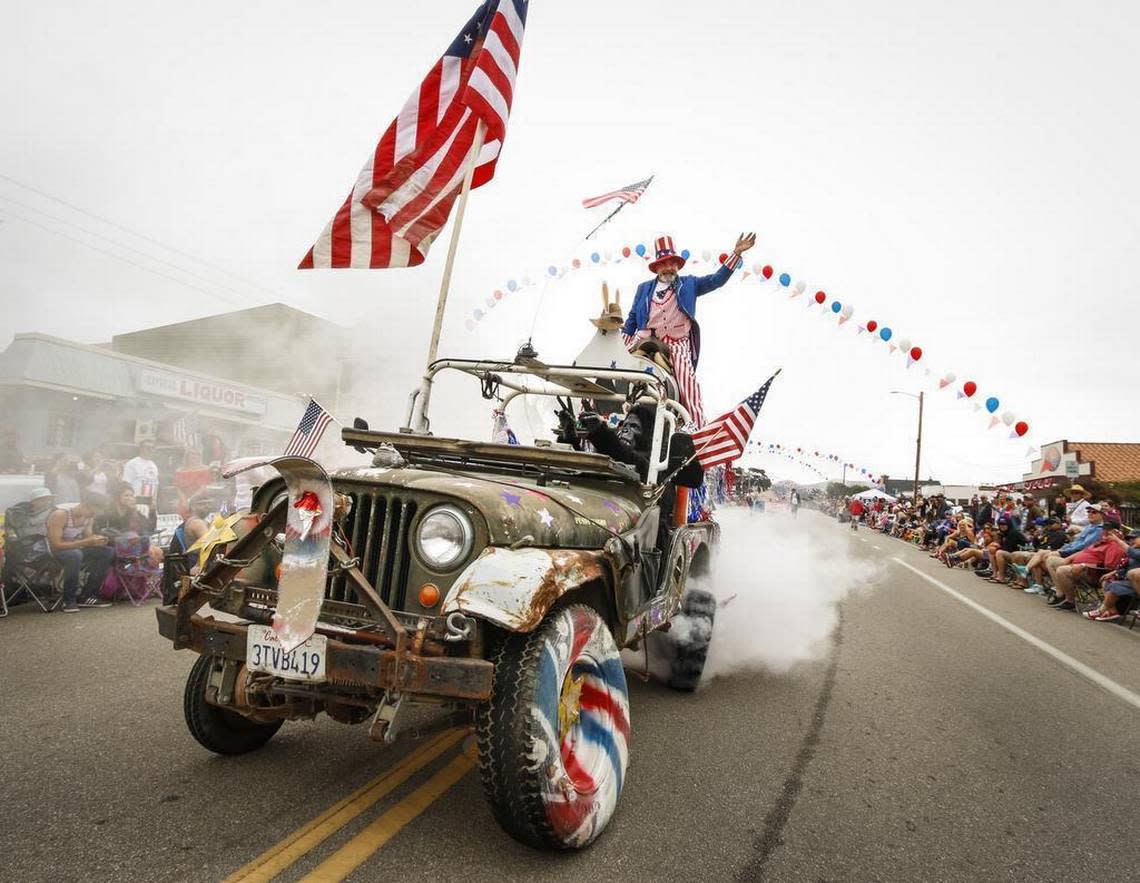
column 744, row 242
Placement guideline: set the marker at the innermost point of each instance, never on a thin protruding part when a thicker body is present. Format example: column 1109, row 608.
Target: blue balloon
column 512, row 285
column 478, row 314
column 640, row 250
column 992, row 404
column 836, row 306
column 885, row 333
column 595, row 257
column 785, row 280
column 685, row 253
column 552, row 270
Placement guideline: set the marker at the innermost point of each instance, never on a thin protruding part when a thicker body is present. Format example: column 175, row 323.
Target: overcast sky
column 964, row 173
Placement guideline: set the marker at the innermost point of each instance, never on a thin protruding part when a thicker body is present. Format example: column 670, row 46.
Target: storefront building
column 1064, row 462
column 66, row 397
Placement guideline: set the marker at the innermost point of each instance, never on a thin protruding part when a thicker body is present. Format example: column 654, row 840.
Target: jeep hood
column 514, row 507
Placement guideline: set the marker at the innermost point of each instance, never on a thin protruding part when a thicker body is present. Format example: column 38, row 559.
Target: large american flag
column 629, row 193
column 309, row 431
column 405, row 191
column 723, row 439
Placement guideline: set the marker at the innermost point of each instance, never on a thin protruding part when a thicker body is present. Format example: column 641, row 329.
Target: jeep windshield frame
column 553, row 381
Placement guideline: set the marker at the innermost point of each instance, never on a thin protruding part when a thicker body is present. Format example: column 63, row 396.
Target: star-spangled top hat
column 665, row 251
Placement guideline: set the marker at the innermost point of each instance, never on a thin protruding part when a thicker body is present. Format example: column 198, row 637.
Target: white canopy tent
column 874, row 494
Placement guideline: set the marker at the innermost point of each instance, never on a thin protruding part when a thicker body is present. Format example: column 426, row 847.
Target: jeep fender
column 514, row 588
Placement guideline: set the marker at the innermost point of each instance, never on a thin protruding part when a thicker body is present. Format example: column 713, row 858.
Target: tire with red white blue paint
column 554, row 736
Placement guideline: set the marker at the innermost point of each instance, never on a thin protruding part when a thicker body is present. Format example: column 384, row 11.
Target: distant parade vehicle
column 494, row 582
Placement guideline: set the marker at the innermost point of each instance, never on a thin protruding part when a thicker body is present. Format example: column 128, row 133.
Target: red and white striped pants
column 683, row 371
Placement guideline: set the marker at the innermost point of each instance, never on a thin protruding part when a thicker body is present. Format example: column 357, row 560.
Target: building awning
column 45, row 362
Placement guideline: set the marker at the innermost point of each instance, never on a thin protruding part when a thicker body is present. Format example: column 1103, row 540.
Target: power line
column 122, row 245
column 123, row 259
column 131, row 232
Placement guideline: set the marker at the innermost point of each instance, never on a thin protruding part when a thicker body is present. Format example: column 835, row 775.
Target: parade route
column 949, row 730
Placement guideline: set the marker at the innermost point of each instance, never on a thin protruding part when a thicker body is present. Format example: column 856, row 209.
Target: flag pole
column 606, row 219
column 419, row 420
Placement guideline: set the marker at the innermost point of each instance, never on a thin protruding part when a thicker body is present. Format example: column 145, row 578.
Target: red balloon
column 969, row 388
column 767, row 271
column 625, row 252
column 576, row 263
column 820, row 297
column 872, row 325
column 1021, row 427
column 916, row 352
column 723, row 256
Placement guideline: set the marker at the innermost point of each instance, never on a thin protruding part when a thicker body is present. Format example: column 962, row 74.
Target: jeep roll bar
column 573, row 381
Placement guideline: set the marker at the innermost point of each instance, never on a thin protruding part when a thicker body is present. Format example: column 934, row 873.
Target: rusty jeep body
column 450, row 572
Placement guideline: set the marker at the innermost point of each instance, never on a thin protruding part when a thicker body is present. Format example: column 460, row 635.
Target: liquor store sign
column 201, row 392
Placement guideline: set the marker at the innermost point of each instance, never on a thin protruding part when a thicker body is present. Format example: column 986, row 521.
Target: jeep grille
column 377, row 528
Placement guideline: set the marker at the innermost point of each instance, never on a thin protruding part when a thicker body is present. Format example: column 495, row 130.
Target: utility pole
column 918, row 440
column 918, row 447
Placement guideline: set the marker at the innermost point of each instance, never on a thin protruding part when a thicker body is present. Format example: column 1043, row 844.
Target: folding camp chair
column 35, row 575
column 29, row 570
column 1089, row 594
column 135, row 573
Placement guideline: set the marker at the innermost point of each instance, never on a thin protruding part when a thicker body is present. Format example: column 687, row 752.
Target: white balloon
column 950, row 378
column 904, row 345
column 800, row 286
column 847, row 311
column 1007, row 418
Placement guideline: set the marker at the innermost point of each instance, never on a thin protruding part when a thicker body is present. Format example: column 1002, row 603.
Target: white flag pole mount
column 418, row 419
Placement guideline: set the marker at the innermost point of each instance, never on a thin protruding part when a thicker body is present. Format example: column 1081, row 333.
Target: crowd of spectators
column 93, row 513
column 1071, row 551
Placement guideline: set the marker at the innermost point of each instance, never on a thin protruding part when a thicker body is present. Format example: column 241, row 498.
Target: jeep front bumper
column 351, row 664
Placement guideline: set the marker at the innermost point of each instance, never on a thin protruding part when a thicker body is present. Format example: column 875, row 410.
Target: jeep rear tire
column 692, row 649
column 220, row 730
column 554, row 736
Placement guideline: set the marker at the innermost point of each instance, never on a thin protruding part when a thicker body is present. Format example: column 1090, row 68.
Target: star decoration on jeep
column 221, row 531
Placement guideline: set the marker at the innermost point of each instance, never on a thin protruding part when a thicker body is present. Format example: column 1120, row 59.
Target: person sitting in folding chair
column 28, row 568
column 74, row 544
column 1079, row 578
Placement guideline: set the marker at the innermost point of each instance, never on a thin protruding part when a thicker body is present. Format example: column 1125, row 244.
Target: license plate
column 264, row 653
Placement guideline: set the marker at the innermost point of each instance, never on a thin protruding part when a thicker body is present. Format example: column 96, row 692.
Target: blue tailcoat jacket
column 689, row 288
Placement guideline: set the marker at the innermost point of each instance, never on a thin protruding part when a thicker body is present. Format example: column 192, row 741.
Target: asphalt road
column 937, row 739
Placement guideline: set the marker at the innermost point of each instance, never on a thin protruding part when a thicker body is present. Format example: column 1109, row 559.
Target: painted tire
column 554, row 737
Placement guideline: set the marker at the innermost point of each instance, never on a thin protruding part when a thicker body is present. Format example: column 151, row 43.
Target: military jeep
column 495, row 582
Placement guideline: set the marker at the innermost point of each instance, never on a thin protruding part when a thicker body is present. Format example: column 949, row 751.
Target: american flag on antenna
column 722, row 440
column 403, row 195
column 313, row 424
column 629, row 194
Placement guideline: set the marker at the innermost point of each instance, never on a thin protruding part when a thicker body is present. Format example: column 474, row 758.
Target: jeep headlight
column 445, row 537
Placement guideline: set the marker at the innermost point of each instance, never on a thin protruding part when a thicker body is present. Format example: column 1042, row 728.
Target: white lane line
column 1065, row 659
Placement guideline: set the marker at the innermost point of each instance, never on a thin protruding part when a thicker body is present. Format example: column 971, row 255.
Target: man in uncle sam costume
column 665, row 308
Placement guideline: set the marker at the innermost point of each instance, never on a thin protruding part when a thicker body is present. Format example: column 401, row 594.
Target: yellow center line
column 285, row 853
column 386, row 826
